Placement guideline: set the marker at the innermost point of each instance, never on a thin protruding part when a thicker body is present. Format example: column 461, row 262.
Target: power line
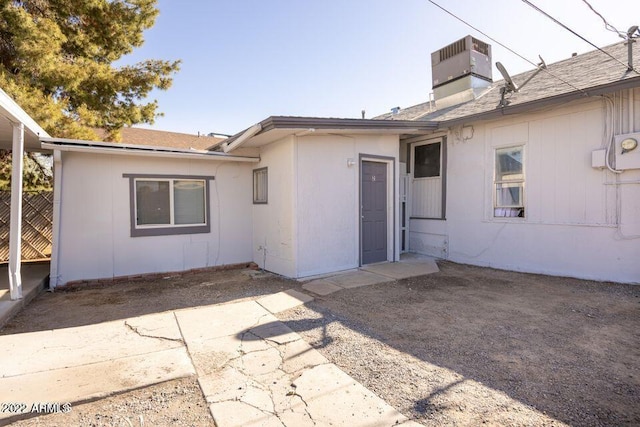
column 606, row 24
column 506, row 47
column 527, row 2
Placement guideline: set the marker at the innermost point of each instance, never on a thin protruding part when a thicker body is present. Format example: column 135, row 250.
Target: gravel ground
column 465, row 346
column 472, row 345
column 92, row 304
column 174, row 403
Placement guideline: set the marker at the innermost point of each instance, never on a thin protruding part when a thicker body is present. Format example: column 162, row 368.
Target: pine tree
column 57, row 62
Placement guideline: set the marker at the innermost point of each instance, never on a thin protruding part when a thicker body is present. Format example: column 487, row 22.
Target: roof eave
column 139, row 150
column 303, row 123
column 15, row 113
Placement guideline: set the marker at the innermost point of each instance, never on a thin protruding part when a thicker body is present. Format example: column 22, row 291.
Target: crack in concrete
column 136, row 331
column 280, row 371
column 264, row 411
column 289, row 375
column 306, row 405
column 306, row 367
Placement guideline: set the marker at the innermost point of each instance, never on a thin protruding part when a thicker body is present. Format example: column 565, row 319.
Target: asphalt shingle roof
column 591, row 73
column 160, row 138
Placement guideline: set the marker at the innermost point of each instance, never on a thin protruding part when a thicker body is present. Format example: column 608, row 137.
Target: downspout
column 632, row 119
column 57, row 205
column 15, row 227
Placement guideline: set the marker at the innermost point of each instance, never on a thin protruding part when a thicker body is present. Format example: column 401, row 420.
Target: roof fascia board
column 544, row 102
column 16, row 114
column 247, row 134
column 119, row 145
column 280, row 122
column 304, row 123
column 147, row 153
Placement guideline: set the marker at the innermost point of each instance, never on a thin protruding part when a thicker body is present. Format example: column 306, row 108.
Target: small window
column 168, row 205
column 260, row 186
column 509, row 182
column 427, row 161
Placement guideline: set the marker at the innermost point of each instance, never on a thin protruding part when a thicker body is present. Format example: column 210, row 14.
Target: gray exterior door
column 374, row 212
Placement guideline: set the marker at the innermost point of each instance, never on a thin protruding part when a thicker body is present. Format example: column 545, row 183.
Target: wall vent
column 453, row 49
column 479, row 46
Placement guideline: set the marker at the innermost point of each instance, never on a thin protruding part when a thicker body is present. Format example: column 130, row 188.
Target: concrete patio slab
column 251, row 368
column 410, row 265
column 356, row 279
column 284, row 300
column 216, row 321
column 86, row 362
column 88, row 381
column 33, row 277
column 403, row 270
column 321, row 287
column 56, row 349
column 261, row 373
column 334, row 398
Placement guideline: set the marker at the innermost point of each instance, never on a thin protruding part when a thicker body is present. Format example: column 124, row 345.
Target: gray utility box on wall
column 467, row 56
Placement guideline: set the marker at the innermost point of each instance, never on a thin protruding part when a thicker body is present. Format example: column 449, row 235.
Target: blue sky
column 245, row 60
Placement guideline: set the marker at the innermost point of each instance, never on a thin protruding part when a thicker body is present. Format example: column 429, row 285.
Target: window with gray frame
column 427, row 161
column 169, row 205
column 509, row 182
column 260, row 186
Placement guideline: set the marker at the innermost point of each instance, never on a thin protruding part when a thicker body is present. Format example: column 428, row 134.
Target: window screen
column 260, row 186
column 509, row 183
column 188, row 200
column 427, row 161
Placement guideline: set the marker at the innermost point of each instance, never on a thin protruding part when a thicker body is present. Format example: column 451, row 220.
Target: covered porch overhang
column 18, row 133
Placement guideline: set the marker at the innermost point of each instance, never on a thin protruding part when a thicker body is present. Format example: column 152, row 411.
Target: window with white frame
column 260, row 186
column 509, row 182
column 168, row 205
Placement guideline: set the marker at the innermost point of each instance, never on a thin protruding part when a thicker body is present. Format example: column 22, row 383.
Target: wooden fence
column 37, row 219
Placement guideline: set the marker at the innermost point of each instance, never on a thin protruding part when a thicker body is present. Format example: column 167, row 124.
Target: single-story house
column 539, row 173
column 286, row 193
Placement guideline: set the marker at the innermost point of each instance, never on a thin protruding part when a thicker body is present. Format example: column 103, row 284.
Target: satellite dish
column 511, row 86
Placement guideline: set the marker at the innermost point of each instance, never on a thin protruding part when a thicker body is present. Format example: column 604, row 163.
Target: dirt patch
column 174, row 403
column 465, row 346
column 90, row 304
column 474, row 345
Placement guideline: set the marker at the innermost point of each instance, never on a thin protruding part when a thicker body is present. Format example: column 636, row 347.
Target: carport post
column 15, row 229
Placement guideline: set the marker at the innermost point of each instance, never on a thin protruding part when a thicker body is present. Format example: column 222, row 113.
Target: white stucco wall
column 273, row 223
column 575, row 225
column 327, row 199
column 95, row 239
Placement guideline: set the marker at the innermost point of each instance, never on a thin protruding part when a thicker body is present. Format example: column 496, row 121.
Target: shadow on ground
column 93, row 304
column 433, row 346
column 460, row 347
